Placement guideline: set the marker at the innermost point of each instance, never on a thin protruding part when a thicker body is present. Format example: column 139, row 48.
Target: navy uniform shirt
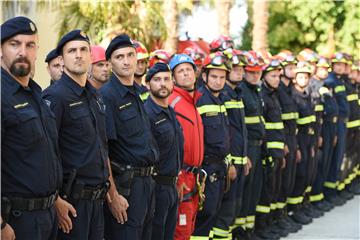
column 289, row 108
column 80, row 119
column 29, row 152
column 216, row 125
column 306, row 121
column 274, row 126
column 253, row 110
column 128, row 127
column 339, row 89
column 238, row 132
column 169, row 137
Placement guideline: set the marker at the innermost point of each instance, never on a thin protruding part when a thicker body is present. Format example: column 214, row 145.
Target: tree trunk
column 260, row 20
column 223, row 11
column 171, row 20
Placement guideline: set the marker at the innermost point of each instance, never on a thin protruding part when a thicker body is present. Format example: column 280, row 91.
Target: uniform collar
column 121, row 88
column 183, row 93
column 157, row 109
column 72, row 84
column 14, row 85
column 231, row 92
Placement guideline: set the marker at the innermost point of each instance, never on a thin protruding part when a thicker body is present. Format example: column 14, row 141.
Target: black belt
column 90, row 193
column 30, row 204
column 165, row 180
column 143, row 171
column 255, row 142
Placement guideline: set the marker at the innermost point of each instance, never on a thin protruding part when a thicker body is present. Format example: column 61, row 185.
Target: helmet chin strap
column 213, row 90
column 234, row 82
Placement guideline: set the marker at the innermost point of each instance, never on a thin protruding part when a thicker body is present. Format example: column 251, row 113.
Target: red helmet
column 217, row 60
column 266, row 55
column 308, row 55
column 238, row 58
column 254, row 62
column 221, row 43
column 97, row 54
column 159, row 55
column 286, row 57
column 141, row 51
column 196, row 54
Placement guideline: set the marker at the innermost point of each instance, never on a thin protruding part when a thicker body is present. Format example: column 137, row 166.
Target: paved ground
column 341, row 223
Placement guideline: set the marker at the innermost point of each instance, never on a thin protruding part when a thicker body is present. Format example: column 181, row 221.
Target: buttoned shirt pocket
column 130, row 123
column 81, row 121
column 29, row 125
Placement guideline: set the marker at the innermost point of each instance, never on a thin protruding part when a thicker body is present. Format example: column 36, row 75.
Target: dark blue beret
column 119, row 41
column 17, row 25
column 158, row 67
column 51, row 55
column 76, row 34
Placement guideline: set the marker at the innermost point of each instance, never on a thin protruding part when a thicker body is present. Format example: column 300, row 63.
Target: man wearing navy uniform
column 31, row 171
column 169, row 137
column 80, row 120
column 54, row 65
column 133, row 151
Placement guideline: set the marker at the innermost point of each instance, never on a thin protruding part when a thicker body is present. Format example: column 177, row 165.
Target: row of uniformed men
column 231, row 131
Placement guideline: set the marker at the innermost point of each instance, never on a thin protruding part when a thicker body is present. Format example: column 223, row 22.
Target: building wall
column 45, row 18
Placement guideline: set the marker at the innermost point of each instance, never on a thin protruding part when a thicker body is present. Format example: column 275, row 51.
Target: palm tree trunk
column 171, row 20
column 260, row 20
column 223, row 11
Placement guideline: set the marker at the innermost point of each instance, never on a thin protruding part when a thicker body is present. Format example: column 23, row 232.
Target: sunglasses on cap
column 238, row 59
column 197, row 56
column 227, row 44
column 160, row 55
column 252, row 62
column 221, row 60
column 274, row 64
column 290, row 58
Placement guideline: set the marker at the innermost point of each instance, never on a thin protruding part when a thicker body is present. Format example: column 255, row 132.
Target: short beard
column 20, row 71
column 157, row 94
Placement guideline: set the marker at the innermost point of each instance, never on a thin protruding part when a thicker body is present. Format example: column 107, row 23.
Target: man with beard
column 100, row 68
column 169, row 137
column 31, row 171
column 133, row 151
column 54, row 66
column 80, row 120
column 142, row 56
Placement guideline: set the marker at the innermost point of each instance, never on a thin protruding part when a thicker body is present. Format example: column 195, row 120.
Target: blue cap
column 180, row 58
column 17, row 25
column 51, row 55
column 158, row 67
column 119, row 41
column 76, row 34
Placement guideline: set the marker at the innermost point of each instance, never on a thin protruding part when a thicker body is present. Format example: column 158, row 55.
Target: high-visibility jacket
column 238, row 133
column 253, row 106
column 274, row 126
column 216, row 125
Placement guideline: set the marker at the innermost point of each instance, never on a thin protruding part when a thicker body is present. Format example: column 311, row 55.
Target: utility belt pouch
column 5, row 208
column 76, row 190
column 123, row 176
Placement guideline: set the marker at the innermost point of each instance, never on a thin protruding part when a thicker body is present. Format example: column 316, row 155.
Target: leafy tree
column 324, row 26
